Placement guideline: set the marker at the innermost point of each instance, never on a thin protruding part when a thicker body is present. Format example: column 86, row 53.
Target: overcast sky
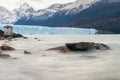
column 37, row 4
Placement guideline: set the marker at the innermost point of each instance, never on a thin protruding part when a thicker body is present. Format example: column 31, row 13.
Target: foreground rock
column 4, row 56
column 86, row 46
column 5, row 47
column 82, row 46
column 17, row 35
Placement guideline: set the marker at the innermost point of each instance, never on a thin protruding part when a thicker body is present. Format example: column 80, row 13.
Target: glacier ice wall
column 32, row 30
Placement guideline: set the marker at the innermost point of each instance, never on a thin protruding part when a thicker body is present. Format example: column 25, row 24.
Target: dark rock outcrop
column 17, row 35
column 1, row 32
column 86, row 46
column 82, row 46
column 26, row 52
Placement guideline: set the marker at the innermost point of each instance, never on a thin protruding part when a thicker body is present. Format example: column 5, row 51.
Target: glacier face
column 32, row 30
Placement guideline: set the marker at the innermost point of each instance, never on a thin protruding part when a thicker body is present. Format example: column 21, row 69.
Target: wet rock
column 39, row 40
column 58, row 48
column 1, row 35
column 5, row 47
column 100, row 46
column 4, row 56
column 17, row 35
column 1, row 32
column 26, row 52
column 25, row 37
column 15, row 58
column 81, row 46
column 86, row 46
column 35, row 38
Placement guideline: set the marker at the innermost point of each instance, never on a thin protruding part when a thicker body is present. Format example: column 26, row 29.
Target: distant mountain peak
column 25, row 6
column 55, row 6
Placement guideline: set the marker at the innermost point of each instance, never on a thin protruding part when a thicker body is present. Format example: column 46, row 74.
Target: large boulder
column 81, row 46
column 86, row 46
column 17, row 35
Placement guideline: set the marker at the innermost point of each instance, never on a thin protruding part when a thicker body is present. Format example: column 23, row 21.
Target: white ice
column 32, row 30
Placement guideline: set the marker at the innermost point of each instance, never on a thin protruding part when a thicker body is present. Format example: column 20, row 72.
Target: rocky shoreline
column 15, row 35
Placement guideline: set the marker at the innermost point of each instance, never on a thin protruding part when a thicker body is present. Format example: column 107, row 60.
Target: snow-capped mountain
column 23, row 11
column 76, row 7
column 69, row 8
column 7, row 17
column 56, row 13
column 4, row 14
column 26, row 12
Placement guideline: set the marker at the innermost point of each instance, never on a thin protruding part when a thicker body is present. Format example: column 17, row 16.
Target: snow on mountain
column 7, row 17
column 27, row 12
column 44, row 14
column 4, row 14
column 69, row 8
column 23, row 11
column 77, row 6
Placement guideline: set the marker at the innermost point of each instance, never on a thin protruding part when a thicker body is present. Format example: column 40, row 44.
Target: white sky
column 37, row 4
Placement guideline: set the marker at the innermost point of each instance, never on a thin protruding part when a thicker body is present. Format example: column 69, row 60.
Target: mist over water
column 53, row 65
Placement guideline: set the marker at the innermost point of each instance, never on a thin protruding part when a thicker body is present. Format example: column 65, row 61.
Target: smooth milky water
column 53, row 65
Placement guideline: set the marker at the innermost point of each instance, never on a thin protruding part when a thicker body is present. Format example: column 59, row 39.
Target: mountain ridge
column 27, row 12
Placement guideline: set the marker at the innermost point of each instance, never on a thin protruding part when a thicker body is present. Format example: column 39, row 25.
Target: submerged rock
column 81, row 46
column 26, row 52
column 35, row 38
column 4, row 56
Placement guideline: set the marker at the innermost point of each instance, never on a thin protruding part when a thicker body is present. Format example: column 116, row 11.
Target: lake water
column 24, row 29
column 54, row 65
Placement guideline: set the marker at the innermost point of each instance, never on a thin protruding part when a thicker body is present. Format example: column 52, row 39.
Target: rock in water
column 81, row 46
column 5, row 47
column 4, row 56
column 17, row 35
column 26, row 52
column 86, row 46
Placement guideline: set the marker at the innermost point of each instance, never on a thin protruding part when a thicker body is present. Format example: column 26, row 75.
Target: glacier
column 33, row 30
